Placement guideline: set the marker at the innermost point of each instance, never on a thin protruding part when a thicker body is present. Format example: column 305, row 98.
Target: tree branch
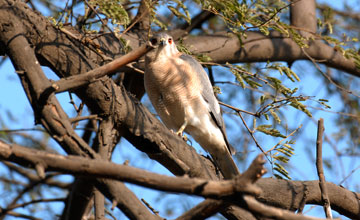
column 272, row 212
column 80, row 166
column 320, row 170
column 303, row 15
column 225, row 189
column 259, row 48
column 76, row 81
column 289, row 195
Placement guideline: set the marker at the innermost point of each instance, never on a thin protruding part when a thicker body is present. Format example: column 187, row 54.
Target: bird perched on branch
column 182, row 95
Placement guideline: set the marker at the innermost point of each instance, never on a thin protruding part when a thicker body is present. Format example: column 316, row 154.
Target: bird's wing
column 207, row 93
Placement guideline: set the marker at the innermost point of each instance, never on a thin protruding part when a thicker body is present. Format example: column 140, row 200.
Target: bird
column 182, row 95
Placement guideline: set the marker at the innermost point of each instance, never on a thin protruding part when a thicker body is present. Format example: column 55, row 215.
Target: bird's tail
column 226, row 165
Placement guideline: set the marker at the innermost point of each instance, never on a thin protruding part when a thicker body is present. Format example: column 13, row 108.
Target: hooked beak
column 162, row 41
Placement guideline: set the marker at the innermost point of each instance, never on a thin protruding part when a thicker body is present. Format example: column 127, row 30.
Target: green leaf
column 276, row 117
column 279, row 168
column 281, row 158
column 282, row 150
column 288, row 147
column 266, row 129
column 264, row 30
column 114, row 10
column 178, row 14
column 266, row 116
column 238, row 77
column 296, row 104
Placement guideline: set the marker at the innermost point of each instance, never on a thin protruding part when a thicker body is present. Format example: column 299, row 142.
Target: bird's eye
column 170, row 40
column 153, row 41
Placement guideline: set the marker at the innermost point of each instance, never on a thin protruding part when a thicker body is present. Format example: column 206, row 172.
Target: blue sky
column 13, row 99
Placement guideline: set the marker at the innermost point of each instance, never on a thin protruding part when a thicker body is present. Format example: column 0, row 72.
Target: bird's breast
column 172, row 89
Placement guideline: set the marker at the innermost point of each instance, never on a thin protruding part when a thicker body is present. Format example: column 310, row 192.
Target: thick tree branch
column 256, row 47
column 103, row 169
column 290, row 195
column 303, row 15
column 271, row 212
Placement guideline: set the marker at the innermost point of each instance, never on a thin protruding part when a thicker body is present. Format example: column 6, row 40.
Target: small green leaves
column 267, row 129
column 279, row 168
column 113, row 10
column 177, row 13
column 275, row 116
column 243, row 76
column 284, row 70
column 298, row 105
column 281, row 154
column 323, row 103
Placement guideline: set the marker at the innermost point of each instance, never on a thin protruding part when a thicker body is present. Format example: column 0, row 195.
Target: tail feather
column 226, row 165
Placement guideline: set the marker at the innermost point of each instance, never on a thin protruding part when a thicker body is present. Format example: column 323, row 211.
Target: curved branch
column 290, row 194
column 257, row 47
column 81, row 166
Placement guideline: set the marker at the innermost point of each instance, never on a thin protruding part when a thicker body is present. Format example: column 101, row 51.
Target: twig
column 351, row 173
column 252, row 136
column 36, row 201
column 276, row 12
column 30, row 186
column 150, row 207
column 346, row 14
column 239, row 110
column 22, row 129
column 101, row 20
column 16, row 214
column 326, row 76
column 280, row 102
column 291, row 134
column 138, row 19
column 86, row 42
column 77, row 81
column 357, row 117
column 320, row 170
column 80, row 118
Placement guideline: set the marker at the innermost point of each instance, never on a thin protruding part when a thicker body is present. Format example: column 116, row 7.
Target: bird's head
column 164, row 46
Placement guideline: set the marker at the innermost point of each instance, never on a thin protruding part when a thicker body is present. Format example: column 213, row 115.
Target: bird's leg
column 182, row 128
